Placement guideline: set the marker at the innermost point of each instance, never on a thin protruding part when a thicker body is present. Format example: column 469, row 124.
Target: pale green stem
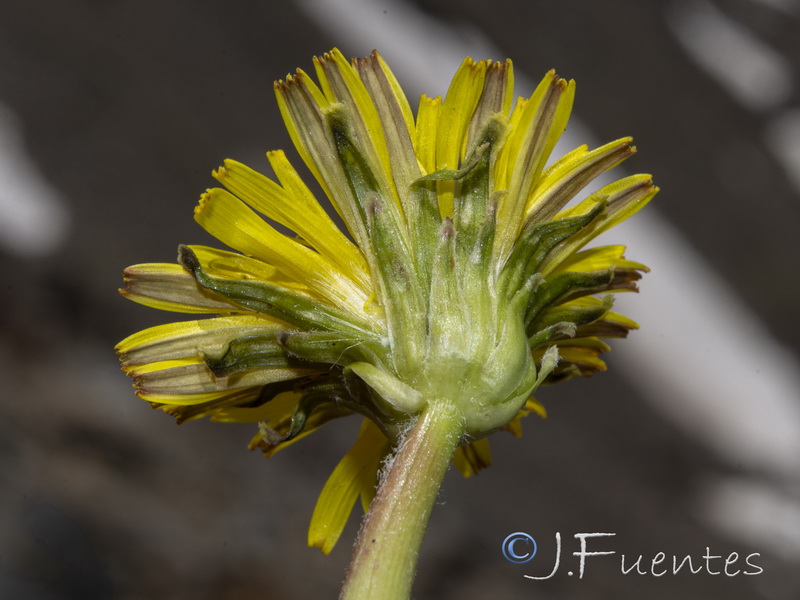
column 385, row 557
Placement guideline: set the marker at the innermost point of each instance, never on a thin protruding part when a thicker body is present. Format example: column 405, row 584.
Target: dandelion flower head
column 462, row 276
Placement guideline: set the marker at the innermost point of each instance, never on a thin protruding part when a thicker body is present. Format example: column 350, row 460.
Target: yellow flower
column 463, row 279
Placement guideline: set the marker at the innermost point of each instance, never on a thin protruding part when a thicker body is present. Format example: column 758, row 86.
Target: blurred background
column 112, row 115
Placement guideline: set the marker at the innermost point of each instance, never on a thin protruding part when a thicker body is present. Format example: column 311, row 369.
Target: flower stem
column 385, row 557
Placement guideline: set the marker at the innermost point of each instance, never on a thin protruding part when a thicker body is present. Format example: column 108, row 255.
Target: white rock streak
column 754, row 73
column 33, row 216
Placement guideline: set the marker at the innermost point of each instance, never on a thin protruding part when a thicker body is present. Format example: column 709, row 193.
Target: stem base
column 385, row 557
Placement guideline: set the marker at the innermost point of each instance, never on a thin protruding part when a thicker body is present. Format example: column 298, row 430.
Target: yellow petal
column 624, row 197
column 165, row 401
column 192, row 338
column 427, row 132
column 495, row 98
column 531, row 406
column 529, row 145
column 587, row 359
column 299, row 101
column 279, row 408
column 569, row 157
column 618, row 319
column 187, row 380
column 169, row 287
column 601, row 258
column 339, row 249
column 310, row 118
column 502, row 169
column 558, row 186
column 453, row 127
column 212, row 404
column 596, row 345
column 611, row 324
column 232, row 222
column 341, row 83
column 356, row 470
column 459, row 105
column 473, row 457
column 232, row 265
column 396, row 123
column 296, row 209
column 396, row 91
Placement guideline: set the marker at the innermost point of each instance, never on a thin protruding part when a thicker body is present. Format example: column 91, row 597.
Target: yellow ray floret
column 355, row 476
